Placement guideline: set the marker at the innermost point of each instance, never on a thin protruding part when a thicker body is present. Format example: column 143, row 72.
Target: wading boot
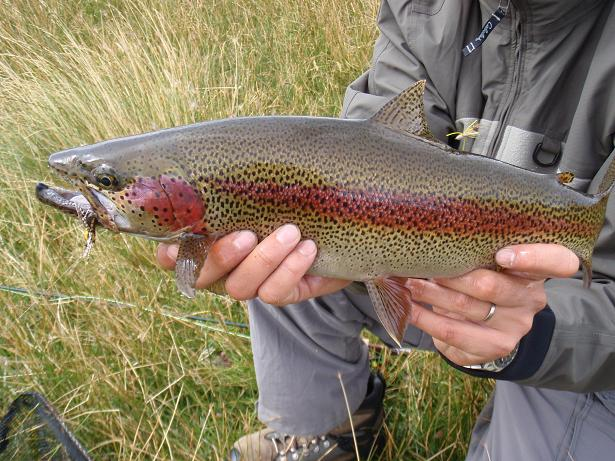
column 336, row 445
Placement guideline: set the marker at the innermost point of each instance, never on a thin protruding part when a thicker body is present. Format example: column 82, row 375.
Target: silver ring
column 490, row 314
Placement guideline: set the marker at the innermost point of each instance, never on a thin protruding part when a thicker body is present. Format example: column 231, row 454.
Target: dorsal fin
column 406, row 112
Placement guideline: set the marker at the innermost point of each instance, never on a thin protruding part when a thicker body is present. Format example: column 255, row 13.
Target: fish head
column 131, row 185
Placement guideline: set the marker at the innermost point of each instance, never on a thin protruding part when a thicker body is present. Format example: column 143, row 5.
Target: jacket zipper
column 515, row 86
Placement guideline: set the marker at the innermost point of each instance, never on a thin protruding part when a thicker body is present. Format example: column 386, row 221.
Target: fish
column 382, row 198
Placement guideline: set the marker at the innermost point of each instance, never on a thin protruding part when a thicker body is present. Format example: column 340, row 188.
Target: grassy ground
column 133, row 382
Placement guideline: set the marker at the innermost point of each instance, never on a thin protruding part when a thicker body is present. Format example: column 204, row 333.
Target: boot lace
column 293, row 448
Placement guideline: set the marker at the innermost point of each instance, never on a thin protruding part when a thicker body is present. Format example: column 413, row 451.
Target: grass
column 132, row 382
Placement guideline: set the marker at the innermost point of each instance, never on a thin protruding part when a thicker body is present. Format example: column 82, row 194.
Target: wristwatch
column 497, row 364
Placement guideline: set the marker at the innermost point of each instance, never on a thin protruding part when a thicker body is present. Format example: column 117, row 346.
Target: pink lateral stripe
column 428, row 213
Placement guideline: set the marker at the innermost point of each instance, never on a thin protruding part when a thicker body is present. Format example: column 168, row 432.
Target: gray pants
column 303, row 351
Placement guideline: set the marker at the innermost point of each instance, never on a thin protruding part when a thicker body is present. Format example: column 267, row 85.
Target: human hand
column 461, row 303
column 274, row 269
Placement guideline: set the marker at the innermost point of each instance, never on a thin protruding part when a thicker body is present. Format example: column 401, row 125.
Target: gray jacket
column 543, row 87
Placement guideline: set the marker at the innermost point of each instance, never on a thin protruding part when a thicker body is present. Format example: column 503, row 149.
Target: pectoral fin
column 392, row 302
column 190, row 258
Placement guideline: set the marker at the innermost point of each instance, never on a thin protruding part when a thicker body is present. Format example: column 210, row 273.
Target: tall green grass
column 133, row 382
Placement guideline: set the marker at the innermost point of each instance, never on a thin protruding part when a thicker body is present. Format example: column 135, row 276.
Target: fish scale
column 381, row 198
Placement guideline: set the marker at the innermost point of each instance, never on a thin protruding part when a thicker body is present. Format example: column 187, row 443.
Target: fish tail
column 584, row 252
column 598, row 211
column 586, row 266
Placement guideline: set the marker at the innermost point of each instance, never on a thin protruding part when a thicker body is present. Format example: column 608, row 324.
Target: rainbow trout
column 381, row 197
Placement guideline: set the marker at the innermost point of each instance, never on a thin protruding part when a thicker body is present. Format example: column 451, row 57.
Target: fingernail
column 172, row 251
column 307, row 248
column 505, row 257
column 244, row 240
column 287, row 234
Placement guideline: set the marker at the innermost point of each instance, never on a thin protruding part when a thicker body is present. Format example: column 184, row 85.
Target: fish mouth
column 94, row 209
column 91, row 206
column 68, row 201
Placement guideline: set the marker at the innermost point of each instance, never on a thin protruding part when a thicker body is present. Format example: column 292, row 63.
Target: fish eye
column 106, row 180
column 105, row 177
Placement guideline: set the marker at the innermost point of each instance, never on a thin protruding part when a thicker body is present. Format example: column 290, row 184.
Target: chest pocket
column 428, row 7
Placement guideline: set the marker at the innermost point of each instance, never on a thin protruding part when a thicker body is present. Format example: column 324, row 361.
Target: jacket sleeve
column 572, row 342
column 402, row 56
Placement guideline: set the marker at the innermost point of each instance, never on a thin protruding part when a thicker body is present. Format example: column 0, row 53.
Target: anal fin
column 392, row 302
column 190, row 259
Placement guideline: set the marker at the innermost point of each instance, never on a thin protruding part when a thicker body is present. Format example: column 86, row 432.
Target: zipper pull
column 495, row 18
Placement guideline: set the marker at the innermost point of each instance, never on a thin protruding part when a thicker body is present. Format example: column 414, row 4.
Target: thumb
column 539, row 258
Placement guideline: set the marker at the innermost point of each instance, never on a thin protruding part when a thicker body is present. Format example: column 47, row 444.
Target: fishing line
column 198, row 320
column 195, row 319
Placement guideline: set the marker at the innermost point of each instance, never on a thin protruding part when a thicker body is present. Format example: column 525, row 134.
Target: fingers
column 165, row 256
column 517, row 300
column 491, row 287
column 460, row 303
column 516, row 321
column 283, row 285
column 307, row 287
column 474, row 340
column 457, row 355
column 274, row 269
column 244, row 282
column 549, row 260
column 320, row 286
column 453, row 301
column 223, row 256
